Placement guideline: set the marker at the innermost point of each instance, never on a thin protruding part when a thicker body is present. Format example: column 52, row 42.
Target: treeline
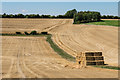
column 68, row 14
column 86, row 16
column 109, row 17
column 32, row 16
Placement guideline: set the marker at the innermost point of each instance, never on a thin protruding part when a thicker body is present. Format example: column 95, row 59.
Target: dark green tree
column 26, row 33
column 33, row 33
column 70, row 14
column 20, row 16
column 4, row 15
column 86, row 16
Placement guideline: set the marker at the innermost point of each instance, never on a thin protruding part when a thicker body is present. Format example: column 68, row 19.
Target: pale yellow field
column 21, row 25
column 30, row 57
column 82, row 38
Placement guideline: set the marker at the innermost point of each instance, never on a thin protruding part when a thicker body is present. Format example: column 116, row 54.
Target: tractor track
column 32, row 57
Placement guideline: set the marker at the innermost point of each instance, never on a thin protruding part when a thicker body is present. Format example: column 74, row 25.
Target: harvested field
column 28, row 57
column 21, row 25
column 32, row 57
column 85, row 38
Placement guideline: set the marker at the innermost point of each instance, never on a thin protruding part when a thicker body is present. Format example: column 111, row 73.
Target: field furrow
column 32, row 57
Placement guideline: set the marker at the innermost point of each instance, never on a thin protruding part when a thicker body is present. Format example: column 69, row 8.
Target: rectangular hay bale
column 99, row 58
column 90, row 58
column 93, row 53
column 90, row 63
column 100, row 63
column 89, row 54
column 98, row 54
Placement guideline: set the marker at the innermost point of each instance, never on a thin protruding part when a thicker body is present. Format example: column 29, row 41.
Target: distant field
column 106, row 22
column 22, row 25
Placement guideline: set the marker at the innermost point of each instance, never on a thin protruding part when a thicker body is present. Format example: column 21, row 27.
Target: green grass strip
column 107, row 67
column 62, row 53
column 106, row 22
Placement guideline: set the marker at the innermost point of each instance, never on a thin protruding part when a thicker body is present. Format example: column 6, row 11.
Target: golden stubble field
column 32, row 57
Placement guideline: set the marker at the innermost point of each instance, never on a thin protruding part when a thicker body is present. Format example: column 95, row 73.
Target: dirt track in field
column 26, row 57
column 84, row 38
column 30, row 57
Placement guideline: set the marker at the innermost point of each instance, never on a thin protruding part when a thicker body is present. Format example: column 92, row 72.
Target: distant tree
column 86, row 16
column 33, row 33
column 70, row 14
column 20, row 16
column 11, row 16
column 61, row 16
column 53, row 17
column 26, row 16
column 109, row 17
column 26, row 33
column 37, row 16
column 0, row 15
column 45, row 16
column 15, row 16
column 104, row 17
column 116, row 17
column 18, row 33
column 4, row 15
